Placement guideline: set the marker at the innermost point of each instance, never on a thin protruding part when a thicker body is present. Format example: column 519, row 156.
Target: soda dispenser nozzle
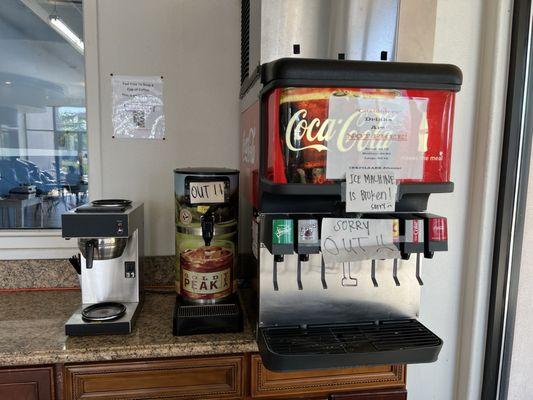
column 282, row 242
column 395, row 272
column 303, row 257
column 435, row 234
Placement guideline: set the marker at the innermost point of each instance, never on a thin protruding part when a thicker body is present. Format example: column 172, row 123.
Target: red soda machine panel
column 314, row 118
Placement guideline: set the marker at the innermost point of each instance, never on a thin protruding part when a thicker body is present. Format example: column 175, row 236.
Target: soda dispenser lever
column 373, row 273
column 395, row 272
column 418, row 278
column 301, row 257
column 323, row 274
column 277, row 258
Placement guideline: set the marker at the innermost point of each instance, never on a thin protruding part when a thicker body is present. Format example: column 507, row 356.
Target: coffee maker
column 110, row 239
column 336, row 285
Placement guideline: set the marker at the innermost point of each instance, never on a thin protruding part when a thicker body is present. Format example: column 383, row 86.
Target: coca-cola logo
column 362, row 130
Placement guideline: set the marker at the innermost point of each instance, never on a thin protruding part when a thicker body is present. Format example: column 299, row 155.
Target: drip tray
column 193, row 319
column 347, row 345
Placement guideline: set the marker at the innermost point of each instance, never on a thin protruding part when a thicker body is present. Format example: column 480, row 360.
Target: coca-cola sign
column 362, row 130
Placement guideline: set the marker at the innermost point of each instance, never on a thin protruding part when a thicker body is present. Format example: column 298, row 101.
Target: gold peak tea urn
column 206, row 233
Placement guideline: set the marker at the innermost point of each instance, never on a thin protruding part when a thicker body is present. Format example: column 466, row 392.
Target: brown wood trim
column 27, row 381
column 59, row 381
column 192, row 378
column 395, row 394
column 265, row 383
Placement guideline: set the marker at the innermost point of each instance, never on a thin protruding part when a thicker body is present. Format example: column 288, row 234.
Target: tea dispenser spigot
column 207, row 221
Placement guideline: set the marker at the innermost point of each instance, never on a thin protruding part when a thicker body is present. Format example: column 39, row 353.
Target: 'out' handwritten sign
column 355, row 239
column 370, row 190
column 206, row 192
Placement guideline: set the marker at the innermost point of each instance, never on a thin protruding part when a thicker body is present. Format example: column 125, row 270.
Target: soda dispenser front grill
column 313, row 312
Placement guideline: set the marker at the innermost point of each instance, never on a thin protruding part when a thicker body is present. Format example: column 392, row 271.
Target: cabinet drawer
column 27, row 383
column 265, row 383
column 199, row 378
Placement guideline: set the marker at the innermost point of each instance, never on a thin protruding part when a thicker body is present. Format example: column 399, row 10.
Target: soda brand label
column 308, row 232
column 282, row 231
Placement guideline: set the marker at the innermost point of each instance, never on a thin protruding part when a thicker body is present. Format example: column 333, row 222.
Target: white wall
column 195, row 45
column 454, row 298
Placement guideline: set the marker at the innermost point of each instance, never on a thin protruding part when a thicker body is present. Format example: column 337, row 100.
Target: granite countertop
column 32, row 332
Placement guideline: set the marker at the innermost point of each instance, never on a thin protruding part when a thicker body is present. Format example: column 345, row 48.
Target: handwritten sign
column 370, row 190
column 206, row 192
column 356, row 239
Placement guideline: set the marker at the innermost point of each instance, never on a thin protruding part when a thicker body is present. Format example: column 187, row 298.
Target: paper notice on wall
column 138, row 107
column 377, row 131
column 370, row 190
column 355, row 239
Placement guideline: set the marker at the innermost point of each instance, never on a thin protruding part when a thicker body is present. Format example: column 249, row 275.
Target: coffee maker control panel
column 100, row 224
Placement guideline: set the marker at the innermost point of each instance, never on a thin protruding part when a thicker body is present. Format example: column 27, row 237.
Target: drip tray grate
column 346, row 345
column 191, row 319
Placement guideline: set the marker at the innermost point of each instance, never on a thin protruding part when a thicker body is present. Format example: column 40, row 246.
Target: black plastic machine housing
column 343, row 344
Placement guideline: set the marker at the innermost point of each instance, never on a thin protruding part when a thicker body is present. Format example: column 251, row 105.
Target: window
column 43, row 130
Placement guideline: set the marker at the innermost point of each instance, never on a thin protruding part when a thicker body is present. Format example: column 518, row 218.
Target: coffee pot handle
column 89, row 254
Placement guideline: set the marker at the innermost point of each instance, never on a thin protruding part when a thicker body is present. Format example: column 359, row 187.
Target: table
column 18, row 206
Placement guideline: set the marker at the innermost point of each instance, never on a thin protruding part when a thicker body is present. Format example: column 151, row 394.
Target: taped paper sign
column 207, row 192
column 356, row 239
column 379, row 130
column 370, row 190
column 138, row 107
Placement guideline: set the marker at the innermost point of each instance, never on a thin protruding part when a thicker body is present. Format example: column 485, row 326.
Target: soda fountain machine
column 338, row 160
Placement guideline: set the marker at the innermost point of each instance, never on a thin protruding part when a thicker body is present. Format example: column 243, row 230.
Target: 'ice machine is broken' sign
column 356, row 239
column 370, row 190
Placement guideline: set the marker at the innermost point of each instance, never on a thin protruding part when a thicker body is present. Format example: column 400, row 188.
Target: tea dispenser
column 206, row 250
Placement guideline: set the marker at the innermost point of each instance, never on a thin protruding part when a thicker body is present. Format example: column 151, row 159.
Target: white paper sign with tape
column 356, row 239
column 207, row 192
column 370, row 190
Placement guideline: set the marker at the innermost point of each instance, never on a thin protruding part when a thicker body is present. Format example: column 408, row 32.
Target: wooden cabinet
column 27, row 383
column 197, row 378
column 268, row 384
column 399, row 394
column 225, row 377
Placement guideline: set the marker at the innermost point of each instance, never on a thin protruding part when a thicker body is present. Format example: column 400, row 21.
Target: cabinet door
column 268, row 384
column 400, row 394
column 198, row 378
column 27, row 384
